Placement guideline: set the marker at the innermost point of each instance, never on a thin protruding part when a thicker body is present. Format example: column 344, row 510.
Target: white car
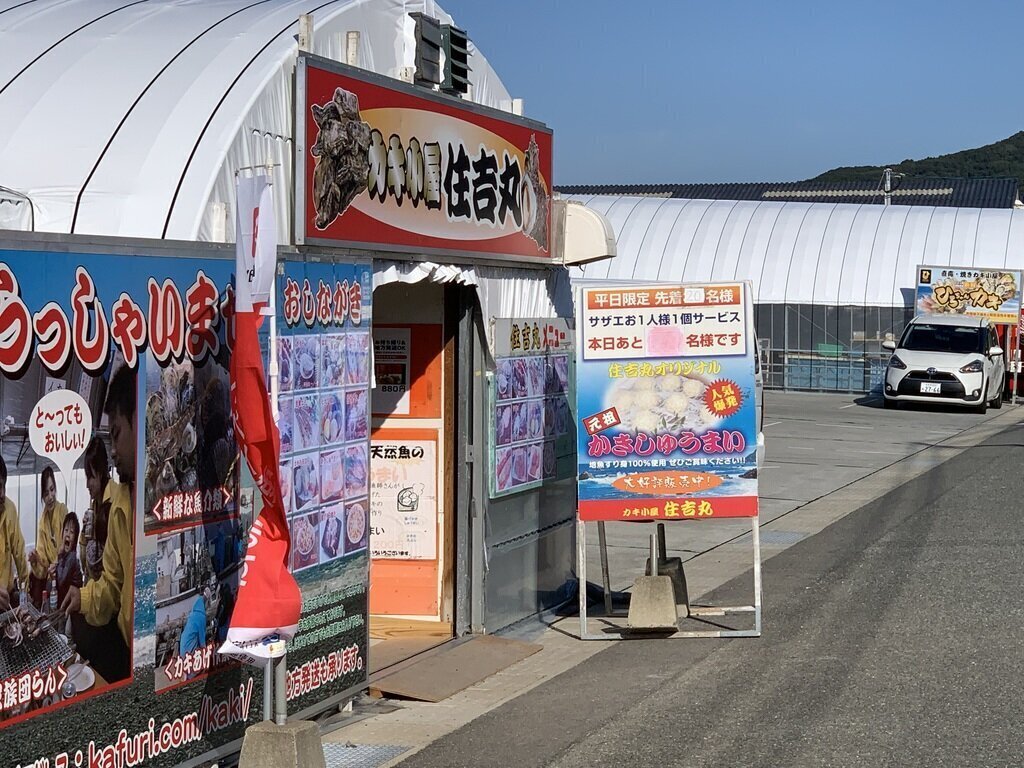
column 952, row 359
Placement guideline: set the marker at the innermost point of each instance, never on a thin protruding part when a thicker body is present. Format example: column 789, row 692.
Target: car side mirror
column 996, row 352
column 889, row 345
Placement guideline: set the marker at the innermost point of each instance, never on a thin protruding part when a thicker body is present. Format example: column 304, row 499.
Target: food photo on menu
column 562, row 372
column 286, row 485
column 285, row 423
column 535, row 419
column 285, row 372
column 562, row 418
column 333, row 366
column 549, row 460
column 535, row 369
column 305, row 531
column 520, row 383
column 550, row 376
column 357, row 358
column 306, row 482
column 503, row 382
column 356, row 471
column 332, row 521
column 332, row 475
column 520, row 421
column 305, row 434
column 502, row 468
column 306, row 358
column 332, row 419
column 356, row 424
column 356, row 528
column 503, row 424
column 535, row 462
column 550, row 408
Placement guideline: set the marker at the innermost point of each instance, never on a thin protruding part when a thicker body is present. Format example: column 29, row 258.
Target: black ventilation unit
column 428, row 50
column 456, row 60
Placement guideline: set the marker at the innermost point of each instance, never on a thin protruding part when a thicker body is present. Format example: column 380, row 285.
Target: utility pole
column 888, row 185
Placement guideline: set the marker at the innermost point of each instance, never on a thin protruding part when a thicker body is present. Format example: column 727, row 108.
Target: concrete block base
column 673, row 568
column 293, row 745
column 653, row 604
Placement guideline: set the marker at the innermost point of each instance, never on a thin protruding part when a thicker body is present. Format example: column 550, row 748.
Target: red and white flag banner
column 269, row 601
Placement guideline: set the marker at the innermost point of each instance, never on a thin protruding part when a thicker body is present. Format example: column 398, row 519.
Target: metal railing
column 814, row 371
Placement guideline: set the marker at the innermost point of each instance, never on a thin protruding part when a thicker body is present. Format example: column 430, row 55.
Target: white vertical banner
column 255, row 242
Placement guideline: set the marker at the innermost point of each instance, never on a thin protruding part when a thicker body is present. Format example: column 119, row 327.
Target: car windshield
column 958, row 339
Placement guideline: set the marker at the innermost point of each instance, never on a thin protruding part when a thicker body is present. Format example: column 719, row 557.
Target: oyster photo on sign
column 340, row 149
column 535, row 198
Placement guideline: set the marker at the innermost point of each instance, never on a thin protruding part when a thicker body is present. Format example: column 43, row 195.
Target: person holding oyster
column 12, row 547
column 48, row 539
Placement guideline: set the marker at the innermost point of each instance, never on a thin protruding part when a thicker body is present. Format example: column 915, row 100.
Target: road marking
column 851, row 405
column 845, row 426
column 773, row 424
column 801, row 448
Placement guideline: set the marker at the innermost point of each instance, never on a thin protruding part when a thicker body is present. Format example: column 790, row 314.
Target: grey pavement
column 860, row 455
column 892, row 638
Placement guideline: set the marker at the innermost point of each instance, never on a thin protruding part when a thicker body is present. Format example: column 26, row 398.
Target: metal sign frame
column 695, row 611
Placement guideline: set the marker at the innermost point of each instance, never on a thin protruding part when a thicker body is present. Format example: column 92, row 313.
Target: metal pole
column 662, row 546
column 581, row 574
column 1015, row 355
column 654, row 555
column 281, row 689
column 606, row 579
column 268, row 691
column 756, row 535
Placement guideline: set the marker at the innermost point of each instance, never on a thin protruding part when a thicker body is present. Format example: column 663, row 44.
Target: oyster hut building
column 437, row 182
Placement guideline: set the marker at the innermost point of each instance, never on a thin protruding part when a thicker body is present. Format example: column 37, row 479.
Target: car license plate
column 931, row 388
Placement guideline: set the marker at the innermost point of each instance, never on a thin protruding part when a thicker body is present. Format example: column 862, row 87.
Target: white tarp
column 203, row 89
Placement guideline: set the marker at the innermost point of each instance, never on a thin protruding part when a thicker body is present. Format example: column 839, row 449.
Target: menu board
column 323, row 355
column 531, row 421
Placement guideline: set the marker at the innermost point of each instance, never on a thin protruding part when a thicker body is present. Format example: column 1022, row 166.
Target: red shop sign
column 391, row 167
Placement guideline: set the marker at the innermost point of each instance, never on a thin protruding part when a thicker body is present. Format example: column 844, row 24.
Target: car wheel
column 997, row 403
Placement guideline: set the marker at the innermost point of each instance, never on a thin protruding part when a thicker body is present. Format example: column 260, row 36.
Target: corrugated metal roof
column 954, row 193
column 801, row 253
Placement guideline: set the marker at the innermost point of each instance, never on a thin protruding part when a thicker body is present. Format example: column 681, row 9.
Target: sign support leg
column 268, row 690
column 581, row 574
column 755, row 533
column 606, row 579
column 281, row 689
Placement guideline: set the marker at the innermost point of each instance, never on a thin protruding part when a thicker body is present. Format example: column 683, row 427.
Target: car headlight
column 895, row 362
column 977, row 366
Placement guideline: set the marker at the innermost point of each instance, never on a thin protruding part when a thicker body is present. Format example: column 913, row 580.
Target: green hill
column 1000, row 160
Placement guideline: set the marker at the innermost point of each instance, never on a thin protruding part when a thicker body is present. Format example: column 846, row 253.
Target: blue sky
column 776, row 90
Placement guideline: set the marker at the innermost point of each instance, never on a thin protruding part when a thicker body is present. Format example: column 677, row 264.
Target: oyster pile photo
column 535, row 198
column 342, row 164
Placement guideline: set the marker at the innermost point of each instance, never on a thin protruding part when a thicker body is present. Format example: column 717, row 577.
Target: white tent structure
column 130, row 117
column 829, row 279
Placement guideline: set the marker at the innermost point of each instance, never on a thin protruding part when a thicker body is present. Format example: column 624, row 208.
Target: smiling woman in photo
column 47, row 539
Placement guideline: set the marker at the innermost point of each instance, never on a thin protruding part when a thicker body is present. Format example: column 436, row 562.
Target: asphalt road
column 892, row 638
column 816, row 444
